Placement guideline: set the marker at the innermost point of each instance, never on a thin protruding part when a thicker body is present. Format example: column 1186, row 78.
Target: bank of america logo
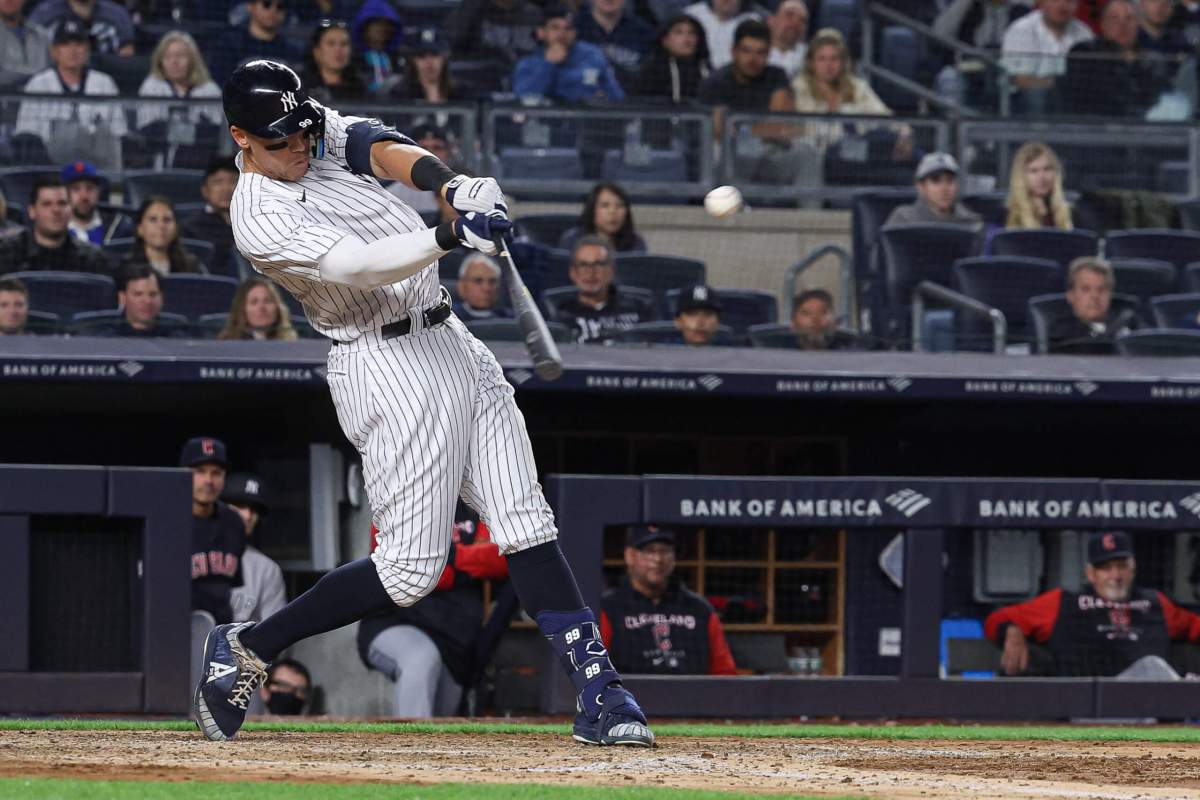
column 1192, row 503
column 130, row 368
column 519, row 376
column 709, row 382
column 1085, row 387
column 899, row 383
column 909, row 502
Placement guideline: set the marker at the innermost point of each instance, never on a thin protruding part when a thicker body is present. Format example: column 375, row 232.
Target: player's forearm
column 353, row 262
column 394, row 161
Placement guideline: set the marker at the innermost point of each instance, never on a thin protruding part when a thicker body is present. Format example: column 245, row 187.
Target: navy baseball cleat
column 231, row 675
column 621, row 721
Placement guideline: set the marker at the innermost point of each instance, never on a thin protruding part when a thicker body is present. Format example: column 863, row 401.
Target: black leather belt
column 434, row 315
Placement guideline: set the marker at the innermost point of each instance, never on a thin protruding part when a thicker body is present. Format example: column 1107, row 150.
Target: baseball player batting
column 424, row 402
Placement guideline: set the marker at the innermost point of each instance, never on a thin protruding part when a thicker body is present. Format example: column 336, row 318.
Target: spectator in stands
column 261, row 592
column 261, row 38
column 213, row 224
column 498, row 30
column 377, row 35
column 287, row 688
column 980, row 23
column 565, row 70
column 258, row 312
column 14, row 307
column 1091, row 325
column 607, row 213
column 1106, row 76
column 1111, row 628
column 24, row 47
column 1155, row 34
column 479, row 289
column 816, row 327
column 789, row 29
column 437, row 141
column 7, row 226
column 747, row 82
column 678, row 62
column 1035, row 48
column 624, row 39
column 598, row 309
column 218, row 535
column 1185, row 20
column 936, row 180
column 427, row 71
column 106, row 24
column 46, row 244
column 70, row 124
column 156, row 240
column 329, row 74
column 827, row 85
column 428, row 649
column 88, row 223
column 652, row 623
column 698, row 316
column 178, row 72
column 1035, row 191
column 720, row 20
column 140, row 298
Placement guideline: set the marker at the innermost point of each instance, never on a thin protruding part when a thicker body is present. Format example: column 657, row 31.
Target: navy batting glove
column 475, row 230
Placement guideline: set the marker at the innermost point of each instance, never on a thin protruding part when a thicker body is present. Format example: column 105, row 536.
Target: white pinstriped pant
column 433, row 418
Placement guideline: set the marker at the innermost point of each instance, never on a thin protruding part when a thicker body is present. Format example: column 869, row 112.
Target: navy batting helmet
column 267, row 99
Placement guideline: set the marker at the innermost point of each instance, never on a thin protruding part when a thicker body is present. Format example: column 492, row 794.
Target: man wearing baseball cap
column 261, row 593
column 698, row 315
column 936, row 180
column 218, row 535
column 652, row 623
column 88, row 223
column 1110, row 628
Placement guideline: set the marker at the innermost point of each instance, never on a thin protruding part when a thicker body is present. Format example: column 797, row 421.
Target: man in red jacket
column 1111, row 628
column 652, row 623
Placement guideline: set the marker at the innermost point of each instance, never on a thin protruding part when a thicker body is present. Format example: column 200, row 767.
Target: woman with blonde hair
column 827, row 85
column 1035, row 192
column 258, row 312
column 178, row 71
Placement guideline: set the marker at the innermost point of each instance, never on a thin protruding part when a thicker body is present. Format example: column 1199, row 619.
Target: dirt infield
column 977, row 770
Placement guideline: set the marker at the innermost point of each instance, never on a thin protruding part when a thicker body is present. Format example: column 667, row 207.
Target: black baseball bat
column 547, row 362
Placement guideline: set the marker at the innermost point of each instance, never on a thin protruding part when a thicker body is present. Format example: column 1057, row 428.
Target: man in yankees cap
column 261, row 592
column 424, row 402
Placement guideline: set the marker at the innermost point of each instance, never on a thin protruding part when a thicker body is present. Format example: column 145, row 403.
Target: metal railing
column 928, row 290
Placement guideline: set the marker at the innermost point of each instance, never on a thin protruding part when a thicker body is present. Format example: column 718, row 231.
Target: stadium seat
column 551, row 164
column 992, row 206
column 772, row 335
column 662, row 166
column 207, row 326
column 839, row 14
column 1159, row 342
column 1144, row 277
column 43, row 323
column 448, row 265
column 17, row 182
column 740, row 308
column 507, row 330
column 177, row 185
column 659, row 273
column 476, row 78
column 68, row 293
column 1189, row 214
column 201, row 250
column 1005, row 284
column 915, row 253
column 15, row 212
column 106, row 323
column 1176, row 310
column 196, row 295
column 1176, row 247
column 1044, row 309
column 1056, row 245
column 667, row 333
column 868, row 211
column 545, row 229
column 899, row 51
column 128, row 71
column 549, row 298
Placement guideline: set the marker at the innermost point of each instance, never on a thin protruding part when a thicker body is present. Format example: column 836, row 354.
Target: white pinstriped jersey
column 284, row 227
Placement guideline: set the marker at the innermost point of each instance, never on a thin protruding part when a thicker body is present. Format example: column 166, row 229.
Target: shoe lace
column 252, row 674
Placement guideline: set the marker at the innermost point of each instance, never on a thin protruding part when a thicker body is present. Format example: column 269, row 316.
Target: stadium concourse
column 912, row 421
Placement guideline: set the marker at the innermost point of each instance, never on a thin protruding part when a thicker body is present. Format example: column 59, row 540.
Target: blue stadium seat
column 177, row 185
column 17, row 182
column 68, row 293
column 868, row 211
column 663, row 166
column 106, row 323
column 667, row 333
column 740, row 308
column 1191, row 277
column 899, row 51
column 659, row 273
column 196, row 295
column 1005, row 284
column 1189, row 213
column 1176, row 310
column 773, row 335
column 992, row 206
column 1144, row 277
column 545, row 229
column 507, row 330
column 477, row 78
column 1056, row 245
column 207, row 326
column 448, row 265
column 43, row 323
column 840, row 14
column 549, row 297
column 550, row 164
column 1046, row 308
column 915, row 253
column 1176, row 247
column 200, row 249
column 1159, row 342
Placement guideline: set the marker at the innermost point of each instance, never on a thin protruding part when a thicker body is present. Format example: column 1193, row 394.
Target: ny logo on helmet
column 289, row 101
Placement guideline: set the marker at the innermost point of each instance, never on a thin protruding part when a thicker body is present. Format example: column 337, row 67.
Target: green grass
column 1186, row 735
column 38, row 789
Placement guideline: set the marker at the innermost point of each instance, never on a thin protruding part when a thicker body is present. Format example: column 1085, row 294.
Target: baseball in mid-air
column 723, row 201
